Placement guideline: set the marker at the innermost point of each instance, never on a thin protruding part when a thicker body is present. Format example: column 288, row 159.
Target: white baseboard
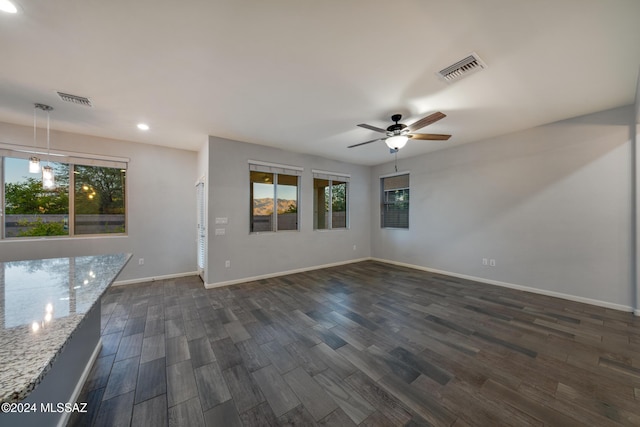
column 154, row 278
column 569, row 297
column 282, row 273
column 83, row 378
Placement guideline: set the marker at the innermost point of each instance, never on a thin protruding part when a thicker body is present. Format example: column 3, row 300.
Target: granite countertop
column 42, row 302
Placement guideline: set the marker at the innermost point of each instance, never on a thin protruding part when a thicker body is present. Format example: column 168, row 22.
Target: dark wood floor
column 364, row 344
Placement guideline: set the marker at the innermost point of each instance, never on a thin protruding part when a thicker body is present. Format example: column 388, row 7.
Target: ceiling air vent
column 462, row 68
column 75, row 99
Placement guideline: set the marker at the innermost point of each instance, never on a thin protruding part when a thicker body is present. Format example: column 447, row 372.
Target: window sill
column 54, row 238
column 256, row 233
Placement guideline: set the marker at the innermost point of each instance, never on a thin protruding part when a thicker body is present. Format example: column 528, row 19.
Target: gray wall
column 552, row 205
column 162, row 223
column 636, row 194
column 254, row 255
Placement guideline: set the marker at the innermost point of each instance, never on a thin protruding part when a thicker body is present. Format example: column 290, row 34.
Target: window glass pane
column 262, row 190
column 99, row 200
column 320, row 204
column 339, row 205
column 396, row 209
column 395, row 201
column 31, row 210
column 287, row 202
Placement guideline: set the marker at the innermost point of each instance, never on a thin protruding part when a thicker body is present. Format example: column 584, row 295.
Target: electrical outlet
column 354, row 247
column 492, row 262
column 140, row 261
column 485, row 261
column 227, row 264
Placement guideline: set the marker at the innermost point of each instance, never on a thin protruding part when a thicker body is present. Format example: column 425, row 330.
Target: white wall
column 161, row 207
column 254, row 255
column 552, row 205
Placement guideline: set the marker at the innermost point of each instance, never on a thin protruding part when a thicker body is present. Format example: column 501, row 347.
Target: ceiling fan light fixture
column 396, row 142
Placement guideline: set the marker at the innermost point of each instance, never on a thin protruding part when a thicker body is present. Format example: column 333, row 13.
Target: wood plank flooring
column 366, row 344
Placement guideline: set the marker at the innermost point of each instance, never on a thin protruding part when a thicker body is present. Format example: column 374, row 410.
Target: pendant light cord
column 35, row 145
column 48, row 147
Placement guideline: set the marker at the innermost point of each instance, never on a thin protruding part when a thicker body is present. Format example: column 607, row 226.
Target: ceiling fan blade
column 431, row 118
column 366, row 126
column 363, row 143
column 429, row 136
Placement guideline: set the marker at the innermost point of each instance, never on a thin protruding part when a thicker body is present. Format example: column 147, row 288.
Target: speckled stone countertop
column 42, row 302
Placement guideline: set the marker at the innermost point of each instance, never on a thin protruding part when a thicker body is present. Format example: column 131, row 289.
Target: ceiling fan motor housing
column 396, row 128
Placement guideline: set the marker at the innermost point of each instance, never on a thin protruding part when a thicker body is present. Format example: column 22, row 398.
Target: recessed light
column 141, row 126
column 7, row 6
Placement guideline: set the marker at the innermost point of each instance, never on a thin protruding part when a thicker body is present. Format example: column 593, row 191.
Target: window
column 287, row 205
column 99, row 200
column 395, row 201
column 31, row 210
column 330, row 200
column 273, row 196
column 89, row 201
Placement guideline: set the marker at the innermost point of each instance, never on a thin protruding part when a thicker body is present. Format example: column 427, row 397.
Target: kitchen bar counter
column 43, row 306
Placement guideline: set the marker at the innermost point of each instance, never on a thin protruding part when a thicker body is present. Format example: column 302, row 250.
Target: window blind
column 396, row 182
column 258, row 166
column 332, row 176
column 201, row 224
column 22, row 152
column 395, row 201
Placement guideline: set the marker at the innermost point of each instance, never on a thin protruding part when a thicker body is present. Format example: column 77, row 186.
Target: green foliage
column 42, row 228
column 339, row 202
column 99, row 190
column 28, row 197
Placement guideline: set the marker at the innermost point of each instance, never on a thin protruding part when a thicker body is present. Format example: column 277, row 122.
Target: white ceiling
column 300, row 74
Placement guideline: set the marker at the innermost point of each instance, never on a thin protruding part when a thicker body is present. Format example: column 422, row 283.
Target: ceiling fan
column 398, row 134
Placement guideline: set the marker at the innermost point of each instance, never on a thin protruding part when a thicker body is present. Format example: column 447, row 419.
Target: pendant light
column 48, row 178
column 34, row 161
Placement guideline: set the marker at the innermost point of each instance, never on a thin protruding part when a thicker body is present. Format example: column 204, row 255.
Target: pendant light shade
column 48, row 178
column 34, row 164
column 396, row 142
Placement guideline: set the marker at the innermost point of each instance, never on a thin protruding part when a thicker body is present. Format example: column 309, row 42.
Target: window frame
column 70, row 159
column 72, row 201
column 330, row 177
column 275, row 169
column 384, row 199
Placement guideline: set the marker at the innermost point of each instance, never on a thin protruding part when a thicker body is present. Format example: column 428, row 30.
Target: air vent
column 75, row 99
column 462, row 68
